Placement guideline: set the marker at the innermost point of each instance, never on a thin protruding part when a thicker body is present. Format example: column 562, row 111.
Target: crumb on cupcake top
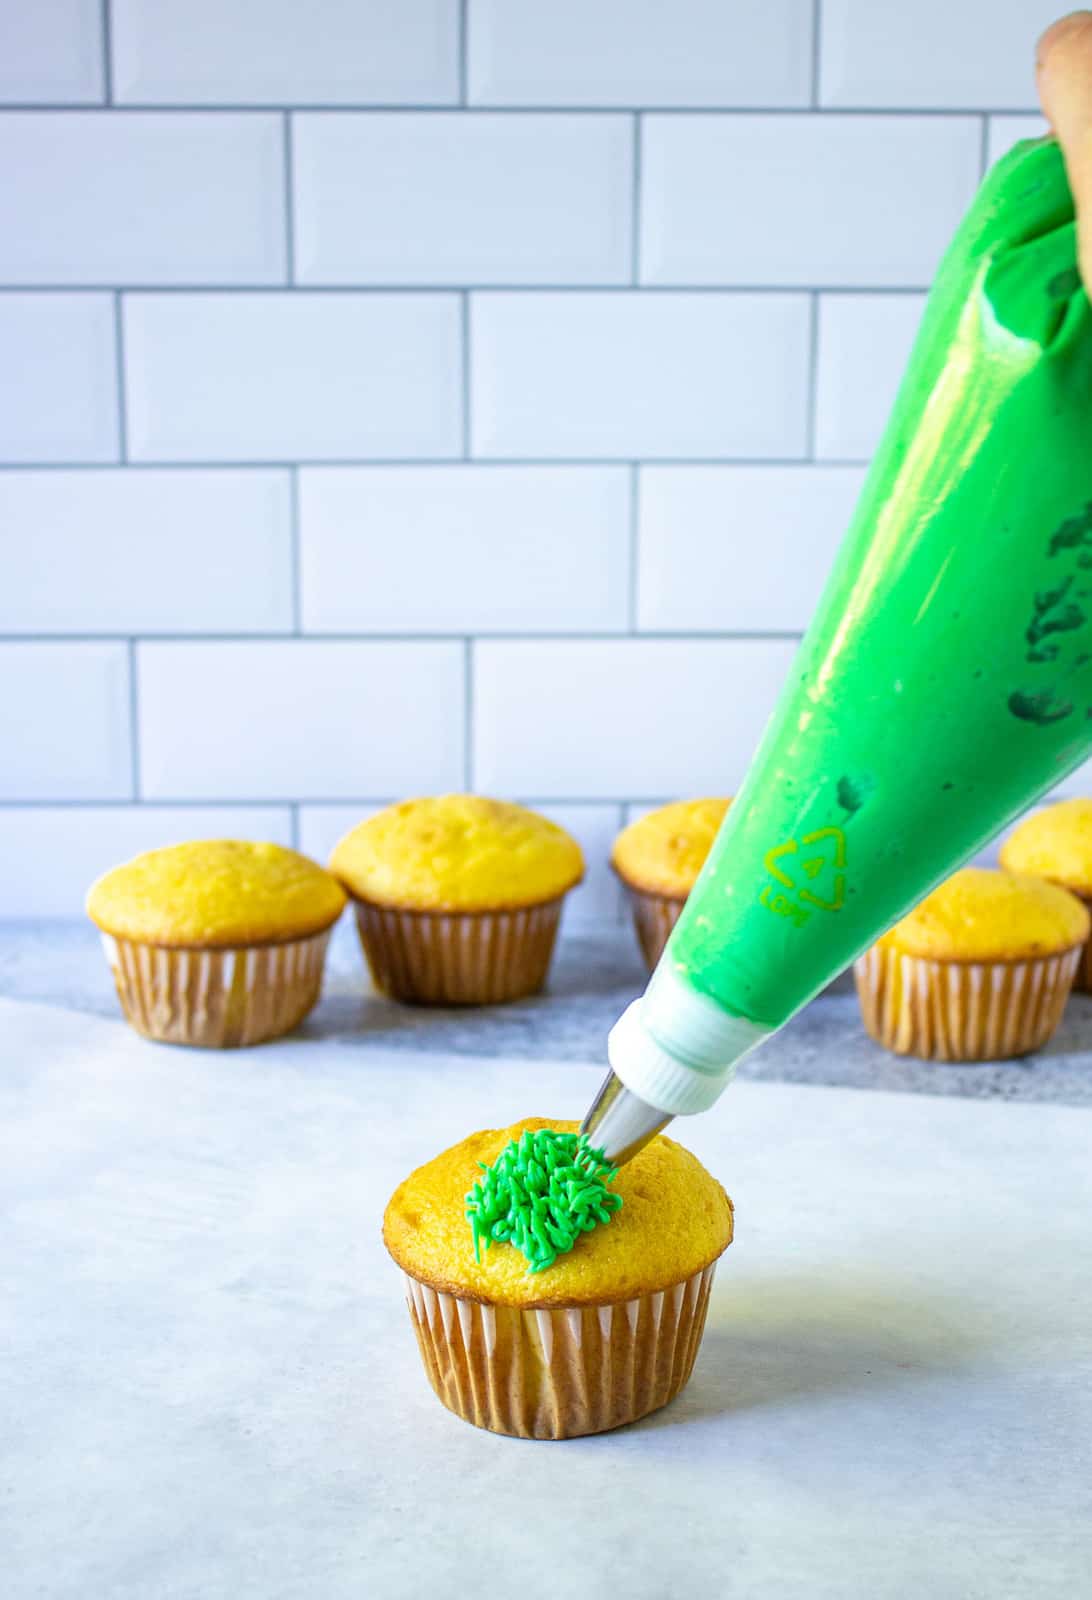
column 982, row 915
column 1054, row 843
column 214, row 893
column 457, row 852
column 674, row 1220
column 663, row 852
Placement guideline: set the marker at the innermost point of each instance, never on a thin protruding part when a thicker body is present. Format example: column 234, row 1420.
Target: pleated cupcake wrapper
column 217, row 998
column 560, row 1372
column 451, row 958
column 654, row 916
column 1083, row 980
column 963, row 1010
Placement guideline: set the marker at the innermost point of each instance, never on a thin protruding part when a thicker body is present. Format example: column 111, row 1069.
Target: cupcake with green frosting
column 553, row 1295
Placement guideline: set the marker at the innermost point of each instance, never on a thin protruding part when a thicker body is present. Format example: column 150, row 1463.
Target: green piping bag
column 945, row 682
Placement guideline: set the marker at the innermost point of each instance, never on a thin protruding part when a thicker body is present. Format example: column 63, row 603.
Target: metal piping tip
column 620, row 1123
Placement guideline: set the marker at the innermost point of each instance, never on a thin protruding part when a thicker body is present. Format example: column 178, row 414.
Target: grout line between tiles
column 535, row 636
column 289, row 201
column 634, row 545
column 294, row 824
column 236, row 802
column 468, row 715
column 134, row 721
column 984, row 150
column 107, row 55
column 464, row 346
column 813, row 379
column 464, row 44
column 382, row 463
column 635, row 239
column 119, row 361
column 816, row 52
column 530, row 109
column 282, row 291
column 294, row 550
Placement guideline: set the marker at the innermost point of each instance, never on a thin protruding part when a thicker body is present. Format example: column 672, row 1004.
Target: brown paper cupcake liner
column 963, row 1010
column 560, row 1372
column 217, row 998
column 654, row 916
column 1083, row 980
column 458, row 958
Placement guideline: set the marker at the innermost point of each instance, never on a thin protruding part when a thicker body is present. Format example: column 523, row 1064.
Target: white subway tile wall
column 462, row 197
column 631, row 375
column 126, row 198
column 409, row 395
column 863, row 344
column 458, row 549
column 762, row 538
column 51, row 52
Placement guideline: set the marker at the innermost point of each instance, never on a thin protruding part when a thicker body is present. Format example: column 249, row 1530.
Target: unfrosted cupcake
column 979, row 971
column 1056, row 844
column 458, row 898
column 602, row 1334
column 219, row 942
column 658, row 858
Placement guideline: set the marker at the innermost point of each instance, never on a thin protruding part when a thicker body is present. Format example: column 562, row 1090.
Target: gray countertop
column 596, row 973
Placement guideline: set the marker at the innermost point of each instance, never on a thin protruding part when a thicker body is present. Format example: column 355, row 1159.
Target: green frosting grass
column 542, row 1192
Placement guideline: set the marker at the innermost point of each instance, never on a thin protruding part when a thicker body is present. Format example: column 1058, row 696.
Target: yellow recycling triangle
column 823, row 866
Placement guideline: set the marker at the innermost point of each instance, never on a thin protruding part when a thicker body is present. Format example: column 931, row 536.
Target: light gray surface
column 595, row 976
column 209, row 1385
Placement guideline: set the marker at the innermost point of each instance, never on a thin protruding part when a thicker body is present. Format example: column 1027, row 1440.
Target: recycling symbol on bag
column 812, row 868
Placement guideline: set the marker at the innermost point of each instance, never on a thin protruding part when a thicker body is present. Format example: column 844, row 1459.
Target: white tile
column 621, row 717
column 58, row 400
column 322, row 826
column 598, row 899
column 157, row 197
column 277, row 720
column 281, row 53
column 64, row 722
column 640, row 52
column 145, row 551
column 50, row 855
column 1004, row 132
column 587, row 375
column 932, row 53
column 462, row 198
column 743, row 549
column 269, row 377
column 51, row 51
column 464, row 549
column 864, row 343
column 803, row 200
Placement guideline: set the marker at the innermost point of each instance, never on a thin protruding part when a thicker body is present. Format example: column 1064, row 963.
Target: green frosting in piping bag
column 542, row 1192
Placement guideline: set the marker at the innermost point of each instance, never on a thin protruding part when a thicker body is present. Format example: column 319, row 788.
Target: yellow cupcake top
column 663, row 852
column 457, row 852
column 215, row 893
column 1054, row 843
column 674, row 1220
column 981, row 915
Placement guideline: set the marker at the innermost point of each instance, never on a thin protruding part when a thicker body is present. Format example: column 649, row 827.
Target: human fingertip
column 1073, row 23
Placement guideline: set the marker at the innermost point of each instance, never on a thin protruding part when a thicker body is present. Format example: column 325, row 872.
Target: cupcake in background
column 219, row 942
column 607, row 1330
column 458, row 898
column 1056, row 844
column 658, row 858
column 979, row 971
